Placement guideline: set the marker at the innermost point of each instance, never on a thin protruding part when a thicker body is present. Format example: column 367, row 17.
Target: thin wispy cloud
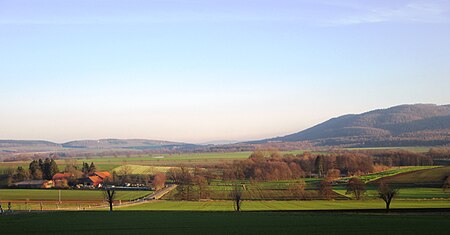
column 303, row 12
column 412, row 12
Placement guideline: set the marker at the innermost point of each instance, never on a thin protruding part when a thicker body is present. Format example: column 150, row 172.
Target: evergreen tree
column 85, row 168
column 49, row 169
column 21, row 174
column 35, row 170
column 319, row 165
column 53, row 168
column 92, row 168
column 41, row 164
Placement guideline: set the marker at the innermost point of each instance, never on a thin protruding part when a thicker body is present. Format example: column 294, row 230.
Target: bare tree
column 356, row 187
column 201, row 184
column 297, row 190
column 326, row 190
column 387, row 193
column 446, row 184
column 236, row 196
column 109, row 195
column 159, row 180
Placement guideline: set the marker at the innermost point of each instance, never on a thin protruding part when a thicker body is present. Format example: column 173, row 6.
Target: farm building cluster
column 94, row 180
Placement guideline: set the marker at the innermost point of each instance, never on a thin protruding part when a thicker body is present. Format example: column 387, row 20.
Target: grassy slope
column 428, row 176
column 66, row 195
column 221, row 223
column 392, row 172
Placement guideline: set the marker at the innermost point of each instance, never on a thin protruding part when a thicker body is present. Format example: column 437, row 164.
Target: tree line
column 273, row 165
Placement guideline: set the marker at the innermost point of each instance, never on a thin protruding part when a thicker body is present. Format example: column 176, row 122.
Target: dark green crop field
column 223, row 223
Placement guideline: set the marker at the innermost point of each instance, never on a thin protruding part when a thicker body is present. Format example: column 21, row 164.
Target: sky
column 205, row 70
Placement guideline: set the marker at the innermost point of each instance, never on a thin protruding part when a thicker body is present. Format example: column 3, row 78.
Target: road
column 160, row 193
column 154, row 196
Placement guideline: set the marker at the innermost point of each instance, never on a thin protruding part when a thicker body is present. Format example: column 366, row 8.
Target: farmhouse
column 36, row 184
column 94, row 180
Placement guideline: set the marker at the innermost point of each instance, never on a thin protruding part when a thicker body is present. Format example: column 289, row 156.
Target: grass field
column 222, row 223
column 392, row 172
column 66, row 195
column 285, row 205
column 404, row 193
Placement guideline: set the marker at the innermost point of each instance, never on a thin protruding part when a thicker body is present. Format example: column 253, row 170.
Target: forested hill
column 404, row 125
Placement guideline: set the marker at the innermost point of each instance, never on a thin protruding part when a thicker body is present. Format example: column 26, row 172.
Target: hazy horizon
column 201, row 71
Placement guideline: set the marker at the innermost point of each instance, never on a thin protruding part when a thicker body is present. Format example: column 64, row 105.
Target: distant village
column 45, row 174
column 94, row 180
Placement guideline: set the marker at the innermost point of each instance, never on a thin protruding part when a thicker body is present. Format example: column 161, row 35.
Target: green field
column 222, row 223
column 404, row 193
column 66, row 195
column 176, row 159
column 392, row 172
column 284, row 205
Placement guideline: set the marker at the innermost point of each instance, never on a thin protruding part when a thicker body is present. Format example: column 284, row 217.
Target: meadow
column 66, row 195
column 139, row 222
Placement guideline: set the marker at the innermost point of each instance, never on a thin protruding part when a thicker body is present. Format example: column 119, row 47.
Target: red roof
column 60, row 176
column 95, row 180
column 102, row 174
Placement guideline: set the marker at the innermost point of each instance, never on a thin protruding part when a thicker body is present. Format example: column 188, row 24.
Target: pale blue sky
column 207, row 70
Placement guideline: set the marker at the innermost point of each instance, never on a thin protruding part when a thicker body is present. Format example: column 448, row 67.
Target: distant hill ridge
column 118, row 143
column 403, row 125
column 90, row 144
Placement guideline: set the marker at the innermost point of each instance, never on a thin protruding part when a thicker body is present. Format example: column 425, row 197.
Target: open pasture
column 284, row 205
